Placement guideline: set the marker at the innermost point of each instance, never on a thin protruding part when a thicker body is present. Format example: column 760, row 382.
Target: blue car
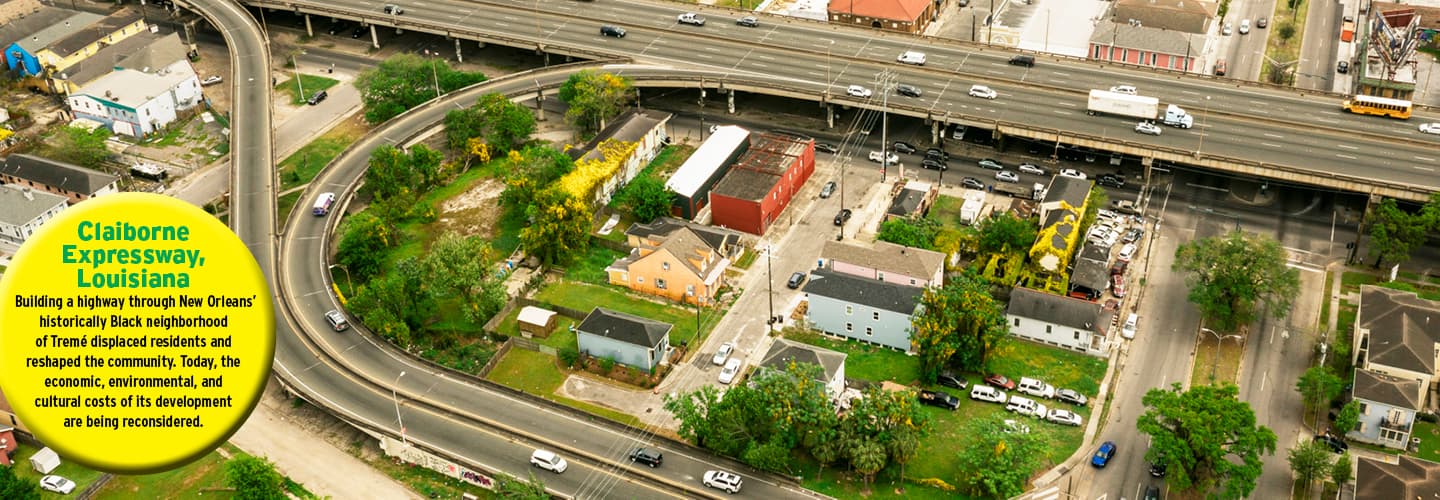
column 1103, row 455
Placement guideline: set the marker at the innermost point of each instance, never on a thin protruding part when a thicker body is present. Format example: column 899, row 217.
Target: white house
column 71, row 181
column 832, row 364
column 1068, row 322
column 23, row 210
column 867, row 310
column 137, row 103
column 1397, row 336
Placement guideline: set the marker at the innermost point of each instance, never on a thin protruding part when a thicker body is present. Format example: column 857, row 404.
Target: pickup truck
column 690, row 18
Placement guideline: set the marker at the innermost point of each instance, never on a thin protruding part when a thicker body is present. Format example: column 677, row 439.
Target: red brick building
column 905, row 16
column 761, row 183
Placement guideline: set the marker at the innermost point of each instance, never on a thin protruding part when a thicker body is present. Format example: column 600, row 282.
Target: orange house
column 674, row 260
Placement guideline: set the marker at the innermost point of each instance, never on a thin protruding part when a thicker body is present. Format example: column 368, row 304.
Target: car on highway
column 843, row 216
column 796, row 279
column 990, row 164
column 1110, row 180
column 725, row 481
column 1430, row 128
column 827, row 147
column 57, row 484
column 938, row 399
column 1000, row 381
column 987, row 394
column 1117, row 285
column 548, row 460
column 933, row 164
column 1244, row 26
column 723, row 353
column 908, row 90
column 950, row 379
column 337, row 320
column 828, row 190
column 1132, row 323
column 904, row 147
column 890, row 158
column 1226, row 30
column 1127, row 252
column 1031, row 168
column 858, row 91
column 1124, row 89
column 937, row 153
column 1023, row 60
column 690, row 18
column 614, row 31
column 1103, row 454
column 1342, row 67
column 1071, row 396
column 1152, row 492
column 391, row 8
column 1066, row 417
column 1007, row 176
column 211, row 80
column 1262, row 22
column 748, row 21
column 1332, row 442
column 1070, row 172
column 730, row 371
column 1147, row 128
column 972, row 183
column 647, row 456
column 912, row 57
column 983, row 92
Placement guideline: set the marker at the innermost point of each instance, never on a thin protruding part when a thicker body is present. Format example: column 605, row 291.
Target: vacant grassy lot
column 864, row 361
column 590, row 267
column 585, row 297
column 538, row 374
column 191, row 481
column 302, row 165
column 1429, row 435
column 308, row 85
column 946, row 211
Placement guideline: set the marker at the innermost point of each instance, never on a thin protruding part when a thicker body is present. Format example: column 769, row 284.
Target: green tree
column 1340, row 471
column 507, row 124
column 594, row 97
column 996, row 463
column 1348, row 418
column 960, row 322
column 647, row 199
column 559, row 227
column 692, row 410
column 1230, row 275
column 80, row 146
column 1430, row 212
column 403, row 81
column 773, row 456
column 867, row 456
column 462, row 124
column 537, row 167
column 795, row 401
column 1209, row 438
column 918, row 232
column 254, row 478
column 1394, row 233
column 1309, row 461
column 364, row 240
column 904, row 443
column 460, row 267
column 1096, row 200
column 828, row 451
column 390, row 173
column 1285, row 31
column 1006, row 232
column 16, row 487
column 399, row 298
column 512, row 487
column 1318, row 386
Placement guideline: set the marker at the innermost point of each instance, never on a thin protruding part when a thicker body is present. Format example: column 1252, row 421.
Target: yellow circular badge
column 136, row 333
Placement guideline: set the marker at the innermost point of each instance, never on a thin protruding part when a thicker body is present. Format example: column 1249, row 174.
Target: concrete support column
column 309, row 29
column 829, row 115
column 374, row 37
column 480, row 45
column 936, row 130
column 459, row 56
column 1370, row 204
column 539, row 104
column 730, row 101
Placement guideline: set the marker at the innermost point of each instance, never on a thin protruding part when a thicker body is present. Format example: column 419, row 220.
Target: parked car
column 1127, row 252
column 721, row 480
column 908, row 90
column 1117, row 285
column 647, row 456
column 1130, row 327
column 1157, row 468
column 843, row 216
column 211, row 80
column 1070, row 172
column 858, row 91
column 1066, row 417
column 1035, row 387
column 57, row 484
column 939, row 399
column 1335, row 444
column 949, row 379
column 904, row 147
column 1133, row 235
column 1220, row 67
column 1000, row 381
column 983, row 92
column 1025, row 406
column 1110, row 180
column 987, row 394
column 1071, row 396
column 1430, row 128
column 548, row 460
column 748, row 21
column 1118, row 267
column 827, row 147
column 890, row 158
column 690, row 18
column 337, row 320
column 937, row 153
column 728, row 373
column 614, row 31
column 933, row 164
column 972, row 183
column 1016, row 426
column 991, row 164
column 828, row 190
column 1226, row 30
column 723, row 353
column 1147, row 128
column 1103, row 454
column 1031, row 168
column 1124, row 89
column 317, row 97
column 1007, row 176
column 795, row 280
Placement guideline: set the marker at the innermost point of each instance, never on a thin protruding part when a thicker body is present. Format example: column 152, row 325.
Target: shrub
column 570, row 356
column 1428, row 417
column 607, row 364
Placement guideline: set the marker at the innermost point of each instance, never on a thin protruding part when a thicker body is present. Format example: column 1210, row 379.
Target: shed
column 45, row 461
column 537, row 320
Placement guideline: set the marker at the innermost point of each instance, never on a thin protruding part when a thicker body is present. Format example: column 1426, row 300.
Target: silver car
column 1031, row 168
column 723, row 353
column 1147, row 128
column 1007, row 176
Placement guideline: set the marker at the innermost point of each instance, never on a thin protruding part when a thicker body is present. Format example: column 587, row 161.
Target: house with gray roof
column 885, row 261
column 914, row 199
column 627, row 339
column 679, row 261
column 149, row 49
column 21, row 54
column 1397, row 335
column 1066, row 322
column 1092, row 272
column 648, row 129
column 784, row 352
column 1409, row 478
column 138, row 103
column 1142, row 45
column 1187, row 16
column 23, row 210
column 1387, row 408
column 867, row 310
column 71, row 181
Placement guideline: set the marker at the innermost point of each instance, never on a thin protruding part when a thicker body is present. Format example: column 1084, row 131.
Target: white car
column 986, row 393
column 1035, row 387
column 1031, row 168
column 57, row 484
column 1127, row 252
column 1070, row 172
column 891, row 158
column 723, row 353
column 858, row 91
column 1244, row 26
column 727, row 374
column 1066, row 417
column 912, row 57
column 983, row 92
column 1430, row 128
column 690, row 18
column 1147, row 128
column 1107, row 214
column 1128, row 331
column 548, row 460
column 721, row 480
column 1124, row 89
column 1007, row 176
column 1026, row 406
column 211, row 80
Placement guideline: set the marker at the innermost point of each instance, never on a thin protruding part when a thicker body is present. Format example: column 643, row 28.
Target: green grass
column 1345, row 320
column 617, row 233
column 1274, row 49
column 1351, row 281
column 174, row 133
column 194, row 480
column 285, row 203
column 585, row 297
column 302, row 165
column 946, row 211
column 1325, row 302
column 1205, row 362
column 746, row 259
column 1429, row 435
column 537, row 374
column 1058, row 367
column 309, row 83
column 590, row 267
column 865, row 361
column 82, row 476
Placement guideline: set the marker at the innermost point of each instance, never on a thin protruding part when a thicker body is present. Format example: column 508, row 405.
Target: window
column 1364, row 408
column 1391, row 435
column 1017, row 322
column 849, row 310
column 880, row 275
column 1152, row 58
column 1077, row 334
column 665, row 266
column 659, row 283
column 849, row 327
column 640, row 279
column 1047, row 328
column 690, row 290
column 875, row 315
column 912, row 281
column 869, row 332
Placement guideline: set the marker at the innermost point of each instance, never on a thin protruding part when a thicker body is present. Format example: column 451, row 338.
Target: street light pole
column 348, row 279
column 1200, row 146
column 295, row 61
column 396, row 396
column 770, row 284
column 1218, row 339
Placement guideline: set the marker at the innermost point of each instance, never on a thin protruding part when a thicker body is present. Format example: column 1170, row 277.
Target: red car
column 1117, row 285
column 999, row 381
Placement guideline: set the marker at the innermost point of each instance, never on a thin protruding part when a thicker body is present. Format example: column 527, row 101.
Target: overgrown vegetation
column 404, row 81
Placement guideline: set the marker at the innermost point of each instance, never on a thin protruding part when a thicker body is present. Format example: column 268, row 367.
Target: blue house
column 863, row 309
column 20, row 53
column 623, row 338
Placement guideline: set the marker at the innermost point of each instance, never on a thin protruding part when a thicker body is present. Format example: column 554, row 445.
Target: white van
column 1128, row 331
column 323, row 204
column 1026, row 406
column 987, row 393
column 1035, row 388
column 912, row 57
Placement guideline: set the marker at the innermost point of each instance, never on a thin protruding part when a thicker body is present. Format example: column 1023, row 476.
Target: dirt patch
column 474, row 212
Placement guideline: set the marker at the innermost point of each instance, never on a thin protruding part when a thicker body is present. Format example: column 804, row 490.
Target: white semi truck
column 1135, row 106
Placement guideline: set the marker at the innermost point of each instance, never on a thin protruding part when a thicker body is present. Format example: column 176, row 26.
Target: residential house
column 648, row 130
column 8, row 446
column 34, row 33
column 1187, row 16
column 1396, row 337
column 1409, row 478
column 694, row 179
column 623, row 338
column 912, row 200
column 1059, row 237
column 69, row 50
column 1092, row 272
column 156, row 47
column 867, row 310
column 905, row 16
column 71, row 181
column 762, row 182
column 885, row 261
column 674, row 260
column 783, row 352
column 138, row 103
column 1133, row 43
column 8, row 418
column 1067, row 322
column 23, row 210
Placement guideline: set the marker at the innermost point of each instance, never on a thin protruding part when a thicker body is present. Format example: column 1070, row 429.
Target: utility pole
column 770, row 284
column 885, row 83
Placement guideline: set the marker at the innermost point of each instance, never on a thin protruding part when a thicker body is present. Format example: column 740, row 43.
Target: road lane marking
column 1274, row 136
column 1265, row 376
column 1427, row 169
column 1347, row 146
column 759, row 65
column 1424, row 158
column 1271, row 145
column 765, row 57
column 1067, row 75
column 1347, row 157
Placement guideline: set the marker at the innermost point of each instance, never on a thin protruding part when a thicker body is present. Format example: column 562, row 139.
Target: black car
column 991, row 164
column 908, row 90
column 934, row 164
column 903, row 147
column 614, row 31
column 359, row 32
column 972, row 183
column 748, row 21
column 827, row 147
column 317, row 97
column 1026, row 61
column 1110, row 180
column 1157, row 468
column 1072, row 397
column 647, row 456
column 795, row 280
column 843, row 216
column 937, row 153
column 1335, row 444
column 948, row 379
column 1152, row 493
column 939, row 399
